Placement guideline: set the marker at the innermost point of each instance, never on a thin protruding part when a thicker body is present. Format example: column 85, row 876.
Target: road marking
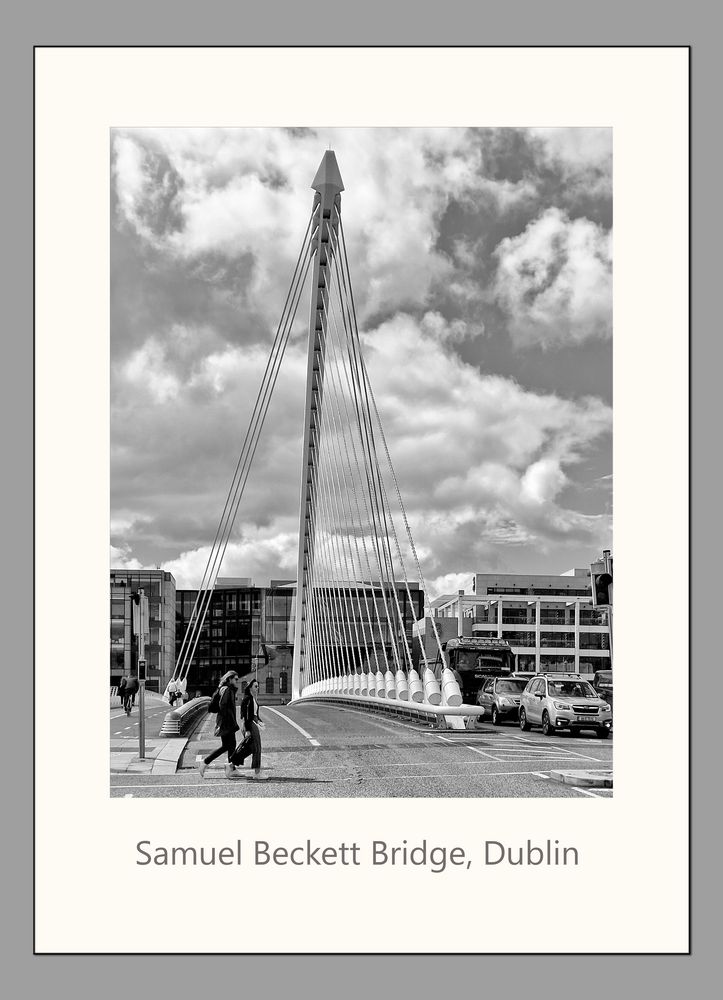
column 585, row 791
column 482, row 753
column 118, row 733
column 541, row 774
column 128, row 796
column 308, row 736
column 460, row 740
column 392, row 777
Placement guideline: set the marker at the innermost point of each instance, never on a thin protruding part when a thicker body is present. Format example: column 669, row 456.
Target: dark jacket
column 247, row 710
column 132, row 685
column 226, row 718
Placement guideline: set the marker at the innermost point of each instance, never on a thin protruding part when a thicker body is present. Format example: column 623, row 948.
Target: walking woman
column 252, row 725
column 226, row 724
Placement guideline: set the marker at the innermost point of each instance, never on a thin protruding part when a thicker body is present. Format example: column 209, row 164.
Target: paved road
column 124, row 726
column 319, row 750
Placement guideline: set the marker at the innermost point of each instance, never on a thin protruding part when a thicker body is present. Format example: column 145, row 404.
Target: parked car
column 564, row 701
column 500, row 697
column 603, row 684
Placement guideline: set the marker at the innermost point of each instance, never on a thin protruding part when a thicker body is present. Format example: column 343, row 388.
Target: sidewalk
column 162, row 756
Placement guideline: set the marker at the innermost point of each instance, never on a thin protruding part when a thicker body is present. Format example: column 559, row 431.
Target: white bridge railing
column 404, row 692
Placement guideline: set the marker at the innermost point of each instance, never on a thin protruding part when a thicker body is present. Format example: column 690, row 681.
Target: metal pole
column 142, row 677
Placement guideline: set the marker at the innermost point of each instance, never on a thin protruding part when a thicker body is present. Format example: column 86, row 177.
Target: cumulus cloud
column 121, row 558
column 213, row 221
column 583, row 156
column 554, row 281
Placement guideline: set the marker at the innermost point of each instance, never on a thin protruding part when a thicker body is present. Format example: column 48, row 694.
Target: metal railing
column 393, row 706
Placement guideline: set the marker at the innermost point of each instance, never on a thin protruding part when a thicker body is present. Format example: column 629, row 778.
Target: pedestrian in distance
column 122, row 690
column 129, row 693
column 172, row 692
column 253, row 726
column 226, row 724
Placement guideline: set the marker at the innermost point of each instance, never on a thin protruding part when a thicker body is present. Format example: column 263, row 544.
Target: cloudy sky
column 482, row 270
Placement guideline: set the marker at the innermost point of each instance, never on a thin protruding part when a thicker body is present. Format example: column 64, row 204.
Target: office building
column 549, row 620
column 160, row 649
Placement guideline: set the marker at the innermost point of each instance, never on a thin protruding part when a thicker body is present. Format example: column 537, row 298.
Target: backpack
column 215, row 703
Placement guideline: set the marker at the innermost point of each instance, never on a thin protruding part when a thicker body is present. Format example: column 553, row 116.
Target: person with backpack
column 129, row 693
column 224, row 703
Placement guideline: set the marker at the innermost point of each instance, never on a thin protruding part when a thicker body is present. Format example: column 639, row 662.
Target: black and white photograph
column 361, row 472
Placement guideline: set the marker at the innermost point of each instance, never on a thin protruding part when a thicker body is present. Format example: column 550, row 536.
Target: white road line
column 585, row 791
column 118, row 733
column 391, row 777
column 128, row 796
column 482, row 753
column 308, row 736
column 541, row 774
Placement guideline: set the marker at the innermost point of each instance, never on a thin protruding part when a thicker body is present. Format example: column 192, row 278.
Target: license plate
column 585, row 718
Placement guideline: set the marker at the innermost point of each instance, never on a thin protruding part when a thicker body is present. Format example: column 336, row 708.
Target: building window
column 564, row 664
column 269, row 684
column 552, row 616
column 594, row 640
column 593, row 616
column 519, row 638
column 563, row 640
column 514, row 616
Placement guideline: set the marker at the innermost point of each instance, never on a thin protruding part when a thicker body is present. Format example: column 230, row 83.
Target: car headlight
column 561, row 705
column 605, row 708
column 505, row 701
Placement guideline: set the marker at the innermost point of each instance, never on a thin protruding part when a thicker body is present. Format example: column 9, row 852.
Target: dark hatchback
column 500, row 698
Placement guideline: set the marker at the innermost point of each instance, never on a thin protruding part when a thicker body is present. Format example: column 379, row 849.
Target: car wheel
column 603, row 733
column 495, row 716
column 547, row 728
column 524, row 724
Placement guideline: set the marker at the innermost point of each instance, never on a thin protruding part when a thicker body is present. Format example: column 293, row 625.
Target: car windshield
column 511, row 686
column 572, row 689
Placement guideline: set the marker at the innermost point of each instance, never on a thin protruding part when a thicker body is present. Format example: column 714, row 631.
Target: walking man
column 226, row 724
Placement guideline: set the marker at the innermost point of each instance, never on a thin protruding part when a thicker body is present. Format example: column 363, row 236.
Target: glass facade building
column 160, row 648
column 242, row 621
column 246, row 624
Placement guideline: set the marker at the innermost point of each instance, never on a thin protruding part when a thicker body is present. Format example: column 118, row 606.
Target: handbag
column 243, row 750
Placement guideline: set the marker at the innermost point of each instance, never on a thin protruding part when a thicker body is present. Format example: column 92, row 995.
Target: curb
column 585, row 779
column 168, row 756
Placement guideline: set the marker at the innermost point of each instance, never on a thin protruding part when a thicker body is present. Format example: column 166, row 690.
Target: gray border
column 77, row 22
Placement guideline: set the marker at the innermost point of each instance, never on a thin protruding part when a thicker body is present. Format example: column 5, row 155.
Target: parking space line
column 585, row 791
column 482, row 753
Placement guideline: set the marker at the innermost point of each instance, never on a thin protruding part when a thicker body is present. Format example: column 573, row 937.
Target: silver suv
column 564, row 701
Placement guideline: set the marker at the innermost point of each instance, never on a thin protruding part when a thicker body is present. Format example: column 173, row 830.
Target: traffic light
column 601, row 584
column 601, row 581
